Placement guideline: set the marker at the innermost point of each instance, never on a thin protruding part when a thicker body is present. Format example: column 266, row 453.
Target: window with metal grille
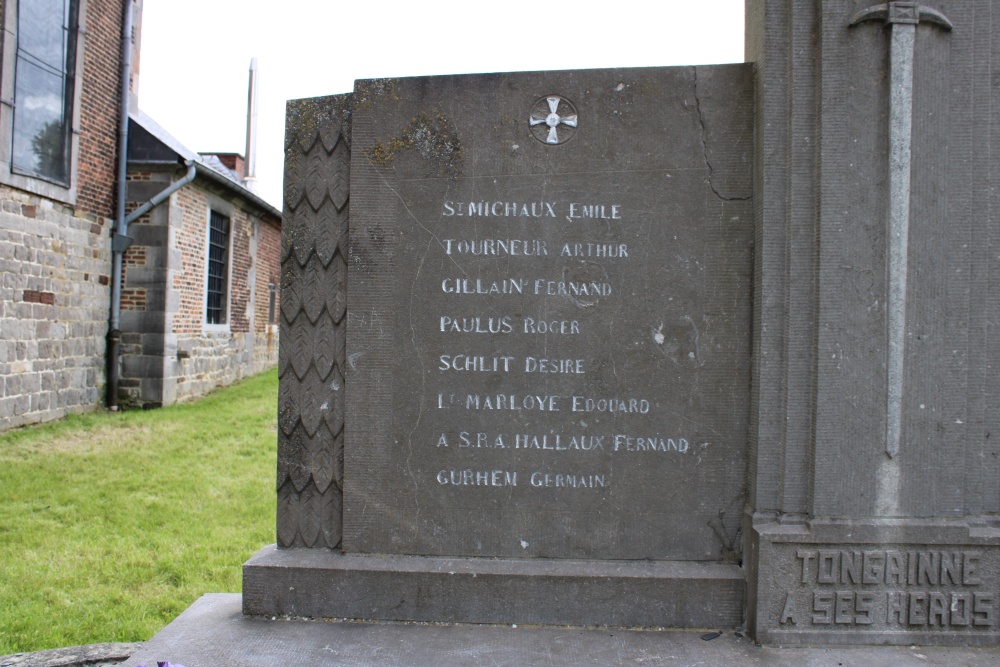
column 218, row 269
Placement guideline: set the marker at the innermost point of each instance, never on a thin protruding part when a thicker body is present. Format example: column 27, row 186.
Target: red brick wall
column 100, row 95
column 268, row 270
column 234, row 161
column 134, row 256
column 191, row 240
column 133, row 299
column 239, row 286
column 189, row 282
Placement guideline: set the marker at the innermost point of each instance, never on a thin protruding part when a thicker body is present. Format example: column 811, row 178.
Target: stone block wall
column 215, row 359
column 55, row 256
column 54, row 300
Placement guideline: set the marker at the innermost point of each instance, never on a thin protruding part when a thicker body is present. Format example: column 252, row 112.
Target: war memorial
column 670, row 347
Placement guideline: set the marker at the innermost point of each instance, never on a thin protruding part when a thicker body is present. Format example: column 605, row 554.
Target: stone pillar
column 849, row 540
column 313, row 300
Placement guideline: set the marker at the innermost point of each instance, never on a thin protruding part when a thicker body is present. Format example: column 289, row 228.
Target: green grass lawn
column 112, row 524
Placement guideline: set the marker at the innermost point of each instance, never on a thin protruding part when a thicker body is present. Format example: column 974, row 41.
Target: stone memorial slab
column 549, row 315
column 547, row 409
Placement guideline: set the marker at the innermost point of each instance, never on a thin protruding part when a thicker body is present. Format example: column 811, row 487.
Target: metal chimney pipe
column 250, row 156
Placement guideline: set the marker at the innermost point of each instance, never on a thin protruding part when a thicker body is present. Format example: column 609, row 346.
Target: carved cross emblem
column 547, row 115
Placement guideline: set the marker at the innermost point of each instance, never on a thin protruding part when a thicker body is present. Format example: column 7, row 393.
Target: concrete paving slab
column 88, row 655
column 214, row 633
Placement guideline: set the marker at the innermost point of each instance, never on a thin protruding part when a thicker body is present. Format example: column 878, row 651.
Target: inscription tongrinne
column 548, row 114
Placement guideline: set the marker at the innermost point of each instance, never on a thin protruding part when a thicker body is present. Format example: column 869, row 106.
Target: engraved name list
column 493, row 283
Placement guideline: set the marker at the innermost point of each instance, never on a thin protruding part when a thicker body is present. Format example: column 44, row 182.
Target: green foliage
column 112, row 524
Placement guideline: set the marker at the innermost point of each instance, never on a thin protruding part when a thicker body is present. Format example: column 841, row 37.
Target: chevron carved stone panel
column 313, row 323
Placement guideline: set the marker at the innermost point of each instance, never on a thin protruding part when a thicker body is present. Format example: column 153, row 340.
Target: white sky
column 196, row 53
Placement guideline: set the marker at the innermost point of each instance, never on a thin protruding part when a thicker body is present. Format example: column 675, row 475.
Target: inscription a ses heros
column 928, row 588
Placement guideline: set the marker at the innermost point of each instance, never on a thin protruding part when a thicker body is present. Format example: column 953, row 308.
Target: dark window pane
column 218, row 268
column 272, row 313
column 41, row 31
column 39, row 127
column 43, row 88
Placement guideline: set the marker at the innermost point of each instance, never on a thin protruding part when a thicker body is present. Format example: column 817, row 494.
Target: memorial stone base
column 893, row 581
column 214, row 632
column 643, row 594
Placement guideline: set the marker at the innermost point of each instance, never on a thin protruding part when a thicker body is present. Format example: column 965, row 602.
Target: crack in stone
column 704, row 145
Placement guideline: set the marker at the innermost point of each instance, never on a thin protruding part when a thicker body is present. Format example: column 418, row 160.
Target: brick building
column 200, row 294
column 59, row 110
column 61, row 73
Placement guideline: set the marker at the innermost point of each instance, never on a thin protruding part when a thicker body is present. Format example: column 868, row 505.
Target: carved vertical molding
column 313, row 322
column 781, row 41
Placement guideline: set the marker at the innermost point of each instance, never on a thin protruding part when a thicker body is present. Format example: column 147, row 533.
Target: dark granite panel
column 549, row 325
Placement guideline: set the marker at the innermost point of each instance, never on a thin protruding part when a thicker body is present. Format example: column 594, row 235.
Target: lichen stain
column 432, row 136
column 304, row 118
column 369, row 91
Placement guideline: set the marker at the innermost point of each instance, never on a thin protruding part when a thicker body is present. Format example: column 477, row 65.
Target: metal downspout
column 162, row 195
column 122, row 241
column 119, row 240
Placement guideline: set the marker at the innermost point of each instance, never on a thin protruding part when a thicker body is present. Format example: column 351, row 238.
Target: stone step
column 213, row 632
column 647, row 594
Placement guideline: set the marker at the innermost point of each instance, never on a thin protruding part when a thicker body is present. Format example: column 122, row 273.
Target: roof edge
column 202, row 169
column 211, row 174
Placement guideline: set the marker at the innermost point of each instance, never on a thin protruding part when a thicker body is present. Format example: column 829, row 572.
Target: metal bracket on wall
column 120, row 243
